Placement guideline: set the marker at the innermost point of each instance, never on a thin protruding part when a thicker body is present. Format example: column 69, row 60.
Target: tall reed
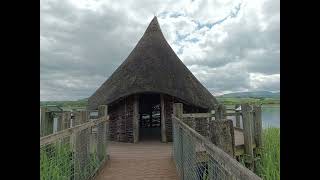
column 268, row 167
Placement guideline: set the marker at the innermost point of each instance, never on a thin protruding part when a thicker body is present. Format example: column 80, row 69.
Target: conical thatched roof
column 153, row 66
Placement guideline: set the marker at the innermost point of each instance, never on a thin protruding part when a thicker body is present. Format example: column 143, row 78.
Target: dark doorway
column 150, row 117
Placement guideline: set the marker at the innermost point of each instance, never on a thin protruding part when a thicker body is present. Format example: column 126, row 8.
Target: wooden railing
column 248, row 123
column 76, row 152
column 198, row 158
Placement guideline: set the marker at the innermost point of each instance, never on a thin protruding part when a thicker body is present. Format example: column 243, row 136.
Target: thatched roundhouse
column 141, row 92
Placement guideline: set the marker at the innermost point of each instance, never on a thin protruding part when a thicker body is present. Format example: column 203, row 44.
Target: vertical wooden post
column 247, row 131
column 220, row 112
column 83, row 117
column 222, row 135
column 181, row 137
column 217, row 112
column 223, row 111
column 136, row 119
column 77, row 119
column 81, row 146
column 163, row 119
column 66, row 116
column 60, row 121
column 178, row 110
column 55, row 124
column 102, row 131
column 257, row 125
column 46, row 122
column 237, row 112
column 73, row 135
column 42, row 121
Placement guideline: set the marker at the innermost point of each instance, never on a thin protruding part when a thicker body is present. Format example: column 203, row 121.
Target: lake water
column 270, row 116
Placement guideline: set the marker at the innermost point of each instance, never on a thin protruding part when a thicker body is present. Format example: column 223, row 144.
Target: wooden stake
column 43, row 121
column 178, row 110
column 257, row 126
column 247, row 131
column 237, row 116
column 222, row 135
column 220, row 112
column 81, row 145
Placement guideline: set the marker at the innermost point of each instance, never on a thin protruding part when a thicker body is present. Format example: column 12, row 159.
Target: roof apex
column 152, row 66
column 153, row 26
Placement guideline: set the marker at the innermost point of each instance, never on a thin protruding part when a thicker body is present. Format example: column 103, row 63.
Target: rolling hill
column 254, row 94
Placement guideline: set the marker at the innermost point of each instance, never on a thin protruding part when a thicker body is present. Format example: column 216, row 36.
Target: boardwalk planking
column 144, row 160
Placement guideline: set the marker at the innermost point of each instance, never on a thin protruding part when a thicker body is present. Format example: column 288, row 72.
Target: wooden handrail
column 67, row 132
column 224, row 159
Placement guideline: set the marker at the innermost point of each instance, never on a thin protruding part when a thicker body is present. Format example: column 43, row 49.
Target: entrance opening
column 150, row 117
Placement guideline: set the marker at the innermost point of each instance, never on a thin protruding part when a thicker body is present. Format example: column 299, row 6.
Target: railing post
column 237, row 112
column 81, row 146
column 66, row 116
column 102, row 132
column 43, row 121
column 181, row 154
column 220, row 112
column 177, row 112
column 222, row 135
column 247, row 132
column 257, row 125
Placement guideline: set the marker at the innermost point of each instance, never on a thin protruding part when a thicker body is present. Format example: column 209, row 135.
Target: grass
column 268, row 167
column 81, row 104
column 263, row 101
column 57, row 163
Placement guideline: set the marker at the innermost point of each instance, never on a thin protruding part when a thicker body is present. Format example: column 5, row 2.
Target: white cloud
column 229, row 45
column 260, row 81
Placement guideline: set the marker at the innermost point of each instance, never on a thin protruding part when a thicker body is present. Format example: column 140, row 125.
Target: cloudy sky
column 229, row 45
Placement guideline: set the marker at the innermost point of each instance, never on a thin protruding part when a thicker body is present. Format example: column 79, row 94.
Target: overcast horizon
column 230, row 46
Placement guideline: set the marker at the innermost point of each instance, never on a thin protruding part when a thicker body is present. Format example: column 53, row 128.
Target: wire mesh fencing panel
column 75, row 153
column 56, row 160
column 177, row 148
column 197, row 158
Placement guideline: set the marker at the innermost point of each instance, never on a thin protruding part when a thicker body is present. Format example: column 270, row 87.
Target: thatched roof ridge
column 153, row 66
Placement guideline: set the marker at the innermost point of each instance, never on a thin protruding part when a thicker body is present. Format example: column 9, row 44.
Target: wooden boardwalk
column 144, row 160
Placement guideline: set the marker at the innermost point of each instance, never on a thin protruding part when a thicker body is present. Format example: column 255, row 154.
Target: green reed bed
column 268, row 166
column 57, row 163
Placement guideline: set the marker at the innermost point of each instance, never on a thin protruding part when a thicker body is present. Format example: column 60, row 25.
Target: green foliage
column 233, row 101
column 254, row 94
column 268, row 167
column 80, row 104
column 57, row 163
column 268, row 157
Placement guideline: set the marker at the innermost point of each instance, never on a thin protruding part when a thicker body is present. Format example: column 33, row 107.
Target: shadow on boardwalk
column 144, row 160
